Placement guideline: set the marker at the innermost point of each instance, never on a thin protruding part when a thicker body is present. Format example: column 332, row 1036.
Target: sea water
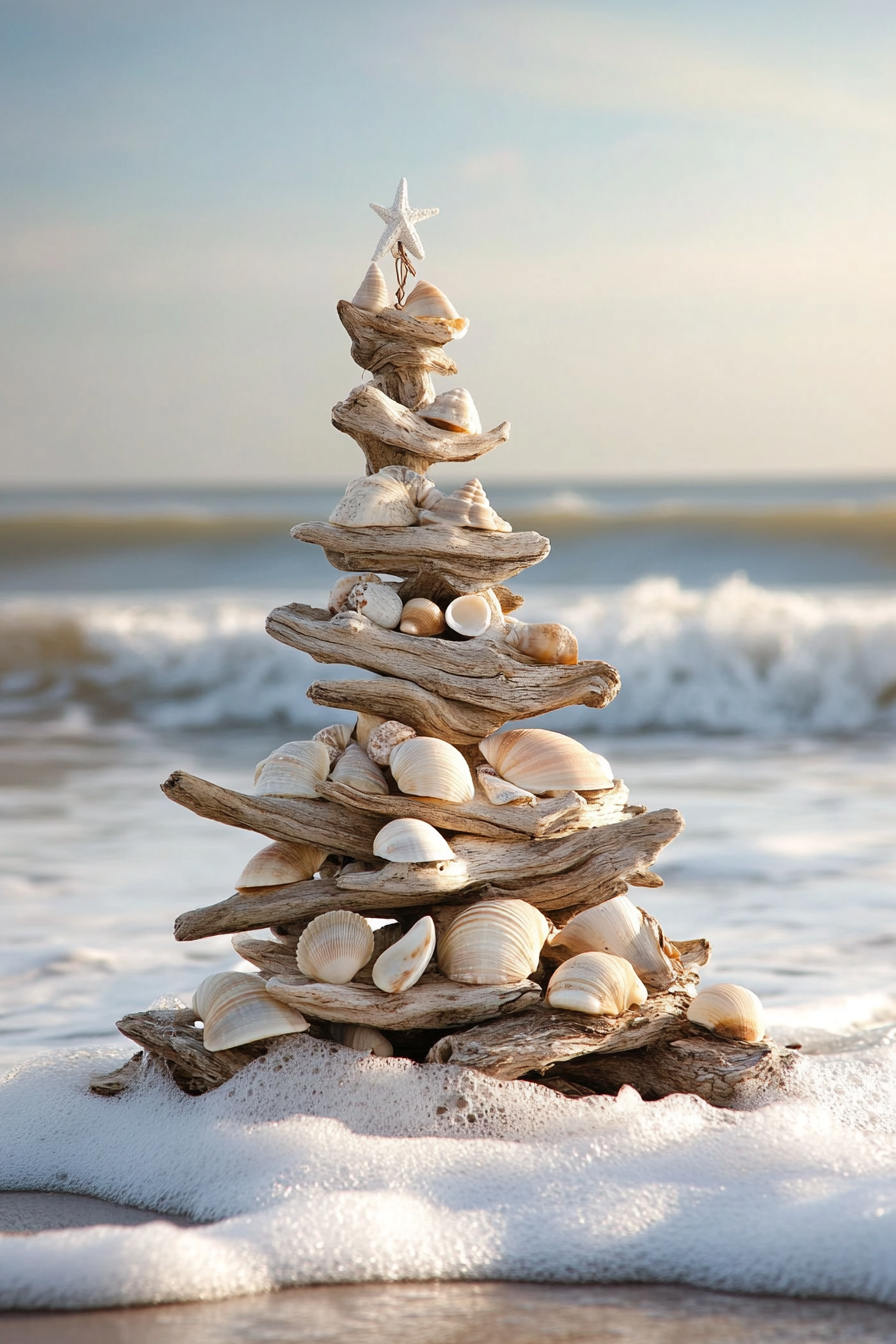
column 755, row 631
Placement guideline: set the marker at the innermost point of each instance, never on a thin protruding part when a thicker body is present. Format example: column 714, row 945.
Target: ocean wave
column 735, row 658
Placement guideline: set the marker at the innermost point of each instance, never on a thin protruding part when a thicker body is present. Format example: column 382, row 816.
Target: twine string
column 403, row 268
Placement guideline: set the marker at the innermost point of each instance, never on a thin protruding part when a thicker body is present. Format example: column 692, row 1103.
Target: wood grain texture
column 430, row 715
column 391, row 434
column 171, row 1035
column 288, row 905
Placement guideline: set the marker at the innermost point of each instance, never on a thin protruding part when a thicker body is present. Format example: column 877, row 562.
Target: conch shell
column 389, row 498
column 293, row 771
column 373, row 295
column 499, row 791
column 402, row 964
column 729, row 1011
column 342, row 587
column 595, row 982
column 335, row 738
column 470, row 614
column 334, row 947
column 548, row 643
column 426, row 767
column 235, row 1008
column 468, row 506
column 545, row 762
column 378, row 602
column 419, row 616
column 407, row 840
column 282, row 862
column 366, row 1039
column 453, row 410
column 383, row 740
column 620, row 927
column 493, row 943
column 425, row 300
column 357, row 770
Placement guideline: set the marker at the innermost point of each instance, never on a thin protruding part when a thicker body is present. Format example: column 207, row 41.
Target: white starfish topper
column 400, row 220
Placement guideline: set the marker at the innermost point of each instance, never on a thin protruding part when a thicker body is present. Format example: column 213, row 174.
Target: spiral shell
column 425, row 300
column 292, row 771
column 470, row 614
column 419, row 616
column 545, row 762
column 279, row 863
column 373, row 295
column 389, row 498
column 468, row 506
column 235, row 1008
column 365, row 1039
column 729, row 1011
column 407, row 840
column 499, row 791
column 342, row 587
column 335, row 738
column 357, row 770
column 426, row 767
column 334, row 947
column 378, row 602
column 402, row 964
column 548, row 643
column 453, row 410
column 618, row 926
column 595, row 982
column 493, row 943
column 384, row 739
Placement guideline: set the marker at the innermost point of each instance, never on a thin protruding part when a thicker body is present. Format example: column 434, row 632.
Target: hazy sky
column 672, row 226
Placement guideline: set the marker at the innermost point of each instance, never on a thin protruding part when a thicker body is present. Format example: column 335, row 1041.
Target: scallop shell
column 357, row 770
column 729, row 1011
column 419, row 616
column 378, row 602
column 384, row 739
column 453, row 410
column 342, row 587
column 335, row 738
column 620, row 927
column 366, row 1039
column 468, row 506
column 407, row 840
column 366, row 724
column 293, row 771
column 235, row 1008
column 425, row 300
column 470, row 614
column 402, row 964
column 373, row 294
column 493, row 943
column 389, row 498
column 545, row 762
column 499, row 791
column 279, row 863
column 548, row 643
column 426, row 767
column 595, row 982
column 334, row 947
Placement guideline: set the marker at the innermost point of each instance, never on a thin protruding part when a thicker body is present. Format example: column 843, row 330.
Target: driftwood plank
column 171, row 1035
column 433, row 1002
column 389, row 433
column 292, row 904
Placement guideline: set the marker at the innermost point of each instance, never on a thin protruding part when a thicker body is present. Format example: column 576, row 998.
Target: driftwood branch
column 390, row 434
column 292, row 904
column 431, row 715
column 401, row 351
column 433, row 1002
column 171, row 1035
column 120, row 1079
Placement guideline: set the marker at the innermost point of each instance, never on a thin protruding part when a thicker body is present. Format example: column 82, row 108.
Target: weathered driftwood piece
column 390, row 434
column 265, row 954
column 401, row 351
column 462, row 558
column 432, row 1002
column 294, row 904
column 431, row 715
column 120, row 1079
column 171, row 1035
column 313, row 820
column 484, row 672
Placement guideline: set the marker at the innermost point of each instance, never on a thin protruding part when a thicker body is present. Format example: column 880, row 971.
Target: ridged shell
column 425, row 300
column 384, row 739
column 387, row 499
column 235, row 1008
column 407, row 840
column 366, row 1039
column 548, row 643
column 373, row 293
column 493, row 943
column 366, row 724
column 468, row 506
column 357, row 770
column 469, row 615
column 342, row 587
column 499, row 791
column 620, row 927
column 426, row 767
column 419, row 616
column 595, row 982
column 729, row 1011
column 293, row 771
column 453, row 410
column 279, row 863
column 378, row 602
column 335, row 738
column 402, row 964
column 334, row 947
column 545, row 762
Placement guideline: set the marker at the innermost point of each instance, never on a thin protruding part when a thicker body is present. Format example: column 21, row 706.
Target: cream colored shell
column 545, row 762
column 365, row 1039
column 499, row 791
column 235, row 1008
column 620, row 927
column 384, row 739
column 378, row 602
column 467, row 506
column 419, row 616
column 425, row 300
column 470, row 614
column 279, row 863
column 334, row 947
column 366, row 724
column 357, row 770
column 389, row 498
column 373, row 295
column 730, row 1011
column 407, row 840
column 453, row 410
column 293, row 771
column 426, row 767
column 342, row 587
column 493, row 943
column 595, row 982
column 335, row 738
column 549, row 643
column 402, row 964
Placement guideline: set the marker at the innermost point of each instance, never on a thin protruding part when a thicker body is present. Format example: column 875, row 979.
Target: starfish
column 400, row 220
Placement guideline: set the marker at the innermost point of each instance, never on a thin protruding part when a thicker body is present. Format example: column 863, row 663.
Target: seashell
column 493, row 943
column 373, row 294
column 545, row 762
column 334, row 947
column 425, row 300
column 499, row 791
column 335, row 738
column 407, row 840
column 342, row 587
column 548, row 643
column 357, row 770
column 366, row 1039
column 426, row 767
column 378, row 602
column 293, row 771
column 453, row 410
column 595, row 982
column 729, row 1011
column 389, row 498
column 468, row 506
column 235, row 1008
column 365, row 725
column 620, row 927
column 279, row 863
column 419, row 616
column 402, row 964
column 384, row 739
column 469, row 615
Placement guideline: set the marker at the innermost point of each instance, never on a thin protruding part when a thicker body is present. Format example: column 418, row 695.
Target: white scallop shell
column 549, row 643
column 384, row 739
column 235, row 1008
column 373, row 294
column 389, row 498
column 425, row 300
column 620, row 927
column 470, row 614
column 357, row 770
column 419, row 616
column 467, row 506
column 544, row 761
column 595, row 982
column 407, row 840
column 335, row 738
column 283, row 861
column 453, row 410
column 730, row 1011
column 402, row 964
column 293, row 771
column 378, row 602
column 334, row 947
column 342, row 587
column 366, row 1039
column 493, row 943
column 426, row 767
column 499, row 791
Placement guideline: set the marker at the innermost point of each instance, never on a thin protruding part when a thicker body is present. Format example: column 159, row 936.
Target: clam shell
column 373, row 294
column 366, row 1039
column 293, row 771
column 378, row 602
column 499, row 791
column 419, row 616
column 365, row 725
column 407, row 840
column 335, row 738
column 595, row 982
column 453, row 410
column 469, row 615
column 426, row 767
column 547, row 643
column 357, row 770
column 425, row 300
column 384, row 739
column 493, row 943
column 386, row 499
column 730, row 1011
column 402, row 964
column 545, row 762
column 279, row 863
column 235, row 1008
column 334, row 947
column 620, row 927
column 342, row 587
column 468, row 506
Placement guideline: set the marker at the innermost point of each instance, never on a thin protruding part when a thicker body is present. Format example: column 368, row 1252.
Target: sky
column 672, row 227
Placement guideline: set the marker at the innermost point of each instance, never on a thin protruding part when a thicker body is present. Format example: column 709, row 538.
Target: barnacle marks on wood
column 430, row 715
column 390, row 434
column 171, row 1034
